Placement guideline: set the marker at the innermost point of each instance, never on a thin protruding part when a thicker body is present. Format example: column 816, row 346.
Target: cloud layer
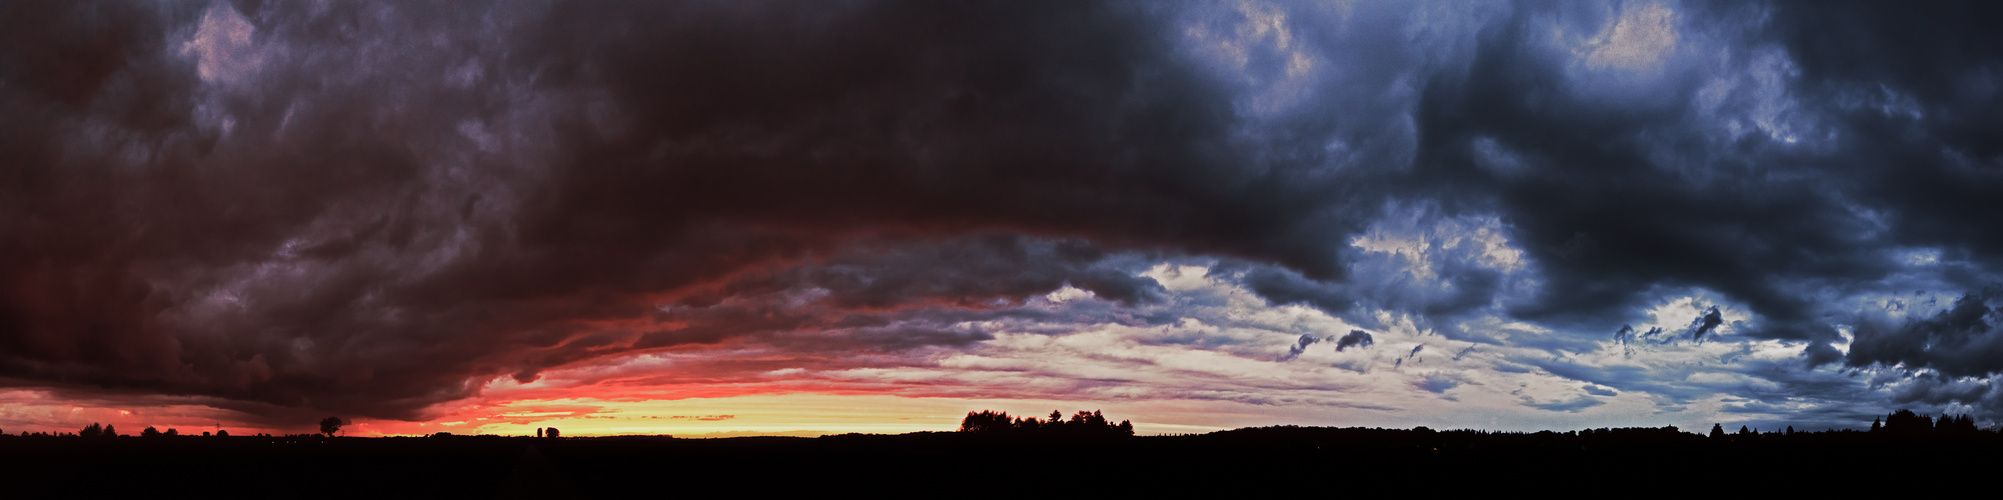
column 1590, row 212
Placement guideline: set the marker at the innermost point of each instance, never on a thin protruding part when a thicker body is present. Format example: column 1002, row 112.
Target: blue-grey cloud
column 1572, row 405
column 1355, row 338
column 1703, row 324
column 1300, row 346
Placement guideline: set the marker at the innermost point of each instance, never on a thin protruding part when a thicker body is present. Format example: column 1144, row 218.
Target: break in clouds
column 1582, row 213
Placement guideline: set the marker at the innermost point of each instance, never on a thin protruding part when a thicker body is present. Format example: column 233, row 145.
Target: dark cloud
column 1301, row 347
column 1053, row 118
column 1355, row 338
column 1961, row 341
column 1703, row 324
column 1937, row 390
column 1609, row 205
column 371, row 208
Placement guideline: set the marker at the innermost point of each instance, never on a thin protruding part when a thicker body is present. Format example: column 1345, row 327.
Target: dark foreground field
column 938, row 465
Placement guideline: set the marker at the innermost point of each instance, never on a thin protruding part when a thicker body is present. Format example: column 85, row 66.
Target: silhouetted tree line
column 1423, row 438
column 1908, row 424
column 1902, row 425
column 1081, row 425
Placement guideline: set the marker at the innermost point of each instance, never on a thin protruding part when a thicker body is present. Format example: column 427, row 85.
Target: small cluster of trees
column 1747, row 434
column 1082, row 424
column 1905, row 422
column 98, row 430
column 153, row 432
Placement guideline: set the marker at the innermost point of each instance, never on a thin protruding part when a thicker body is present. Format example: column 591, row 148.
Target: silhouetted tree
column 1961, row 425
column 1905, row 422
column 149, row 432
column 987, row 421
column 331, row 425
column 222, row 433
column 538, row 432
column 552, row 432
column 173, row 432
column 1717, row 431
column 110, row 432
column 92, row 430
column 1876, row 425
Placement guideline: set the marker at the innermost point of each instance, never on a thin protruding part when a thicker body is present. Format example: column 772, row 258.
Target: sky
column 746, row 217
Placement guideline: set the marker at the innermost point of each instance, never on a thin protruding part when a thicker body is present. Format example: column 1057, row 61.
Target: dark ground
column 952, row 465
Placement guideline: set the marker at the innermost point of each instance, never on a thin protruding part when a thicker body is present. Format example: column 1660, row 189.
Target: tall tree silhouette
column 331, row 425
column 1957, row 426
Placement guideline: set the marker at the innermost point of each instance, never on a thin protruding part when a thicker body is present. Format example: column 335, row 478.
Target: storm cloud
column 378, row 208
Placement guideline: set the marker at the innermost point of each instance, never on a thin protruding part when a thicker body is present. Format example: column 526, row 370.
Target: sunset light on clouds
column 713, row 219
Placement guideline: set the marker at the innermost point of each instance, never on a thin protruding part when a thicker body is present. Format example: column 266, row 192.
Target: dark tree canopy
column 331, row 425
column 1082, row 424
column 1907, row 422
